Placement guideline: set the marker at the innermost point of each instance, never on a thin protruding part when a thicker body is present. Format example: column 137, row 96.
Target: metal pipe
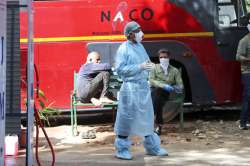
column 3, row 19
column 30, row 92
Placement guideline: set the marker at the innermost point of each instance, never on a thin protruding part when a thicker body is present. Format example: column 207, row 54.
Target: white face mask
column 164, row 62
column 248, row 27
column 138, row 36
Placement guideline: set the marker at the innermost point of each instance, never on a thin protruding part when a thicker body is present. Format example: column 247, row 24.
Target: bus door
column 231, row 21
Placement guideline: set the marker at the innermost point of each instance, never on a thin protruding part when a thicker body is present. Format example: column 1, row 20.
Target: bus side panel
column 87, row 18
column 58, row 20
column 223, row 75
column 56, row 63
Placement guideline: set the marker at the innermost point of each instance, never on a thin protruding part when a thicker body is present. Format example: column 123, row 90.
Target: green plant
column 44, row 108
column 42, row 104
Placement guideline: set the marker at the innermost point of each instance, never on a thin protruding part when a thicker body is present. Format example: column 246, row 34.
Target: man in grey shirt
column 243, row 55
column 93, row 79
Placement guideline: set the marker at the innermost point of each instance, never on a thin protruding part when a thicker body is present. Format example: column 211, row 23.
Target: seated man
column 93, row 79
column 163, row 79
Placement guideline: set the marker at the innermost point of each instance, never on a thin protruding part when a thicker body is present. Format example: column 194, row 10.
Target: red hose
column 37, row 137
column 38, row 122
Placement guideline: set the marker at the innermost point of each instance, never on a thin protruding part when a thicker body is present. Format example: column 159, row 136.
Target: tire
column 171, row 110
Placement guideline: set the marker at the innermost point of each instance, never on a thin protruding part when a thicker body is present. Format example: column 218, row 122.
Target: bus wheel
column 171, row 110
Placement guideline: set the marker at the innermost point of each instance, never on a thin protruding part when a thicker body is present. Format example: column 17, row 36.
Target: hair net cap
column 131, row 26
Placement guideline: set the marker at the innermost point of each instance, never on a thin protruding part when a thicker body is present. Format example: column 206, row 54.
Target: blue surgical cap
column 131, row 26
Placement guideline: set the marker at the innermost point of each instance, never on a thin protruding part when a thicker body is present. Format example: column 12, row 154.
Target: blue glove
column 178, row 89
column 168, row 88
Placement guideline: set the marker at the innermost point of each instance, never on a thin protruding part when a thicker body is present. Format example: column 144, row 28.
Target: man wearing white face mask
column 164, row 79
column 135, row 114
column 139, row 36
column 243, row 55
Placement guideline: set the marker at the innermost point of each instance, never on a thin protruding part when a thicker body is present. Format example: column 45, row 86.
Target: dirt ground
column 203, row 141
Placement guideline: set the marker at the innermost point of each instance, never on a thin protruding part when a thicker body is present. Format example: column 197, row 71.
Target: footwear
column 243, row 127
column 96, row 102
column 122, row 148
column 152, row 146
column 158, row 130
column 248, row 124
column 105, row 100
column 124, row 155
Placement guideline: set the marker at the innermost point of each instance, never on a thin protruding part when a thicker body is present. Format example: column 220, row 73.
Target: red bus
column 201, row 35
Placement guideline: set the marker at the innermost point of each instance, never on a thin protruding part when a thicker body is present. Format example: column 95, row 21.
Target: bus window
column 244, row 9
column 226, row 13
column 224, row 1
column 233, row 13
column 247, row 2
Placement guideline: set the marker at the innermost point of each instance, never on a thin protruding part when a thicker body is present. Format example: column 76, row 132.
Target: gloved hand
column 178, row 89
column 168, row 88
column 147, row 65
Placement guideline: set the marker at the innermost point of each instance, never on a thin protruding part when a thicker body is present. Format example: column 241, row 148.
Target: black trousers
column 159, row 98
column 97, row 87
column 245, row 112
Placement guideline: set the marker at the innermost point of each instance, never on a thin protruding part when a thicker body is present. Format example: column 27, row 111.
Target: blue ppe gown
column 135, row 115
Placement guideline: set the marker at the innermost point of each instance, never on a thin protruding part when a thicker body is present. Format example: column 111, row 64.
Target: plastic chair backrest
column 75, row 78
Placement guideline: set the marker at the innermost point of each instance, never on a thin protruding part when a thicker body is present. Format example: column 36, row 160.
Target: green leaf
column 42, row 95
column 41, row 103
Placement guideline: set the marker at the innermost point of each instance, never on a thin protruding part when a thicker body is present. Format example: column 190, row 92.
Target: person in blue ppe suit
column 135, row 115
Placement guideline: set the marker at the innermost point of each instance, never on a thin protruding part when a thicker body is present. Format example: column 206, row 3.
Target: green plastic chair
column 115, row 83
